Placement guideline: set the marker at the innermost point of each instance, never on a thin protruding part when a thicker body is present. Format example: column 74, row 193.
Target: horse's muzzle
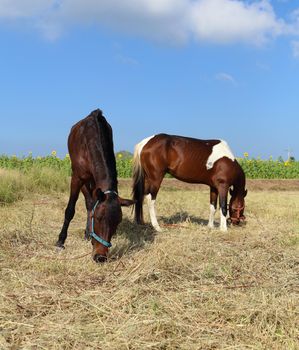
column 237, row 221
column 99, row 258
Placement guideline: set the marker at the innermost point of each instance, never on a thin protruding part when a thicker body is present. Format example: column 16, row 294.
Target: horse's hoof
column 60, row 245
column 139, row 222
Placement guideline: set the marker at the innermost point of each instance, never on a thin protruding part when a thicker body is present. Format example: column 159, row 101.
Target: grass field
column 253, row 168
column 185, row 288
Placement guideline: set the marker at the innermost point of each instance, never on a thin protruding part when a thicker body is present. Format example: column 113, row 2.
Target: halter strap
column 239, row 218
column 92, row 233
column 110, row 191
column 238, row 209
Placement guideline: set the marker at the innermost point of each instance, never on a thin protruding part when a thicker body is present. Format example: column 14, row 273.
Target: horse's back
column 187, row 159
column 174, row 148
column 175, row 143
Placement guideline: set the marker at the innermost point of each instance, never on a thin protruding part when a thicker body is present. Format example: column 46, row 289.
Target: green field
column 254, row 168
column 51, row 173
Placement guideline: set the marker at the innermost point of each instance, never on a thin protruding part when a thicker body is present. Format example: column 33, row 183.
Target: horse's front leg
column 223, row 190
column 88, row 203
column 70, row 210
column 213, row 206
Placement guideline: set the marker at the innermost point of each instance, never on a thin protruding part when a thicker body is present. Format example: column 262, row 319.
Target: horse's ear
column 126, row 202
column 245, row 193
column 231, row 192
column 100, row 195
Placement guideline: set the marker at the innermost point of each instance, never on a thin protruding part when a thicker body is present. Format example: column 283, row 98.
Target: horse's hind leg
column 151, row 190
column 152, row 212
column 86, row 190
column 213, row 206
column 70, row 210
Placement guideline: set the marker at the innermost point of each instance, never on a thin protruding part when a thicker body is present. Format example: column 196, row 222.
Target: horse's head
column 237, row 206
column 106, row 215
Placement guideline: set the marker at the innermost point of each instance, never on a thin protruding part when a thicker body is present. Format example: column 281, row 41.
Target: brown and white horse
column 90, row 145
column 209, row 162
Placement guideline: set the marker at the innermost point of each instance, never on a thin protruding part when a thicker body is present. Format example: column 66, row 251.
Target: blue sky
column 203, row 68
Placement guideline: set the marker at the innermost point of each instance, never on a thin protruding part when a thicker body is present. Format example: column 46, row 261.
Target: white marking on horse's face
column 141, row 144
column 219, row 151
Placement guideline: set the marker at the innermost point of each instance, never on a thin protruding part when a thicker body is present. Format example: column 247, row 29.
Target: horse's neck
column 104, row 177
column 239, row 184
column 105, row 182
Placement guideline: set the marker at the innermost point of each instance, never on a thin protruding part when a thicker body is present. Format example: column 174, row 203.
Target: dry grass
column 186, row 288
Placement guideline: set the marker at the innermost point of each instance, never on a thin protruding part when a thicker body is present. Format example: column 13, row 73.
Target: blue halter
column 92, row 233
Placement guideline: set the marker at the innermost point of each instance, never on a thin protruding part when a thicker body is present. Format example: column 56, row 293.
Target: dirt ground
column 251, row 184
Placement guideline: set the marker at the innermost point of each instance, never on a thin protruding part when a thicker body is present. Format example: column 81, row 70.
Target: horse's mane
column 106, row 142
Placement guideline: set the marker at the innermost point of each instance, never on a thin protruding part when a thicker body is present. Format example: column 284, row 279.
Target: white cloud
column 155, row 19
column 126, row 60
column 226, row 78
column 13, row 9
column 174, row 21
column 226, row 21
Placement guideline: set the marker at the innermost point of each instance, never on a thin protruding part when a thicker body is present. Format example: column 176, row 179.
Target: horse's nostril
column 98, row 258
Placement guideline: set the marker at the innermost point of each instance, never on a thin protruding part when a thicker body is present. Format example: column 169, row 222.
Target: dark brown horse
column 91, row 151
column 209, row 162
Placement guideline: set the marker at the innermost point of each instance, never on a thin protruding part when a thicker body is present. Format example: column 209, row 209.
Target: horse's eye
column 100, row 217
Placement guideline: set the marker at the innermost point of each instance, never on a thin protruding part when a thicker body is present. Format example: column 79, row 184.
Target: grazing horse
column 209, row 162
column 92, row 157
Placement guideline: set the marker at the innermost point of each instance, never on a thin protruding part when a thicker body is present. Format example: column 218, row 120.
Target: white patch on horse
column 141, row 144
column 219, row 151
column 152, row 212
column 212, row 216
column 223, row 224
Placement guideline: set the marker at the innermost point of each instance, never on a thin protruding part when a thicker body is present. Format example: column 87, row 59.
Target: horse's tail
column 138, row 184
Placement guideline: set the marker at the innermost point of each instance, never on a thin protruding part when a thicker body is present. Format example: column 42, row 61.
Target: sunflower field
column 254, row 168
